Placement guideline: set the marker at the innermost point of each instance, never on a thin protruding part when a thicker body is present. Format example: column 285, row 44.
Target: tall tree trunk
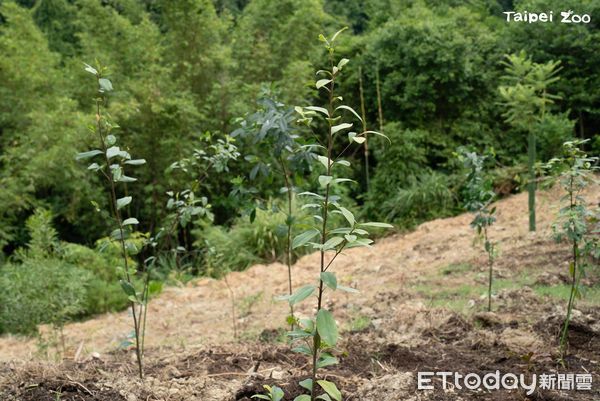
column 364, row 125
column 531, row 186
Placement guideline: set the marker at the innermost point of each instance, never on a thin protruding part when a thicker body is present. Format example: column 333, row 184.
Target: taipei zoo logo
column 564, row 17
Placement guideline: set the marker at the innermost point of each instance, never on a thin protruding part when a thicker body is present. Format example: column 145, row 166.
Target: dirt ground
column 420, row 308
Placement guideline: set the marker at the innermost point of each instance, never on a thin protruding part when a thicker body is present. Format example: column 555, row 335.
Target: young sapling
column 576, row 220
column 111, row 164
column 318, row 336
column 479, row 195
column 280, row 152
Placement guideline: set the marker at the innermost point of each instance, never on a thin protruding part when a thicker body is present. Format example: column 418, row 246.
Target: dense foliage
column 189, row 73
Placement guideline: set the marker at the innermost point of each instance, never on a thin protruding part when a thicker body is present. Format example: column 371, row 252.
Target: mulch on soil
column 363, row 357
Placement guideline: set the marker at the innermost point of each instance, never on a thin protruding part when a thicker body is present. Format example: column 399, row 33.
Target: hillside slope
column 418, row 291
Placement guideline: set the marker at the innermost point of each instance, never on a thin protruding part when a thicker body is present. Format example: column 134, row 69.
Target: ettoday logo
column 508, row 381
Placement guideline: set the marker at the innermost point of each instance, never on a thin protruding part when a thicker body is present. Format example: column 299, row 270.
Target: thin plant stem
column 531, row 185
column 288, row 244
column 490, row 251
column 379, row 105
column 233, row 312
column 565, row 331
column 364, row 126
column 117, row 216
column 324, row 215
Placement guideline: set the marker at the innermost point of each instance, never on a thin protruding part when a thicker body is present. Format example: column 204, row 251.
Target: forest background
column 187, row 73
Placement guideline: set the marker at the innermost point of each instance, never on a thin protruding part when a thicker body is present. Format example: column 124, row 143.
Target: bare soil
column 421, row 307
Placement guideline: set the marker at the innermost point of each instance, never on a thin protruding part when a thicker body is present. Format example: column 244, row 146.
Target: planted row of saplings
column 315, row 336
column 331, row 228
column 577, row 223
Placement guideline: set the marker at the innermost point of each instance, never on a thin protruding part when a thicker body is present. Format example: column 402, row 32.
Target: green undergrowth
column 440, row 291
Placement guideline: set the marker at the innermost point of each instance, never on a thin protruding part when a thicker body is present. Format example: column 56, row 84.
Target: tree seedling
column 317, row 336
column 576, row 223
column 111, row 163
column 279, row 147
column 479, row 195
column 273, row 394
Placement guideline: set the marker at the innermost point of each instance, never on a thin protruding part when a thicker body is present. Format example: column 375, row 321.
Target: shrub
column 39, row 291
column 426, row 196
column 104, row 293
column 246, row 242
column 403, row 189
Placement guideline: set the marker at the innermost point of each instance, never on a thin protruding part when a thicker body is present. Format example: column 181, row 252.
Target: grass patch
column 591, row 295
column 455, row 268
column 360, row 323
column 455, row 298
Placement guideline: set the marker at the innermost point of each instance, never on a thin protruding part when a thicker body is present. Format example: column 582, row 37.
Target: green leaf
column 87, row 155
column 332, row 243
column 130, row 221
column 125, row 178
column 303, row 397
column 329, row 279
column 326, row 327
column 118, row 235
column 319, row 109
column 105, row 85
column 322, row 82
column 307, row 325
column 376, row 133
column 301, row 294
column 136, row 162
column 353, row 137
column 324, row 160
column 111, row 140
column 376, row 224
column 324, row 397
column 307, row 384
column 128, row 288
column 314, row 195
column 331, row 389
column 360, row 242
column 343, row 163
column 338, row 180
column 113, row 151
column 325, row 180
column 350, row 109
column 261, row 396
column 299, row 334
column 117, row 172
column 347, row 289
column 335, row 35
column 94, row 167
column 339, row 127
column 348, row 215
column 122, row 202
column 342, row 63
column 350, row 237
column 327, row 361
column 276, row 394
column 303, row 238
column 90, row 69
column 302, row 349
